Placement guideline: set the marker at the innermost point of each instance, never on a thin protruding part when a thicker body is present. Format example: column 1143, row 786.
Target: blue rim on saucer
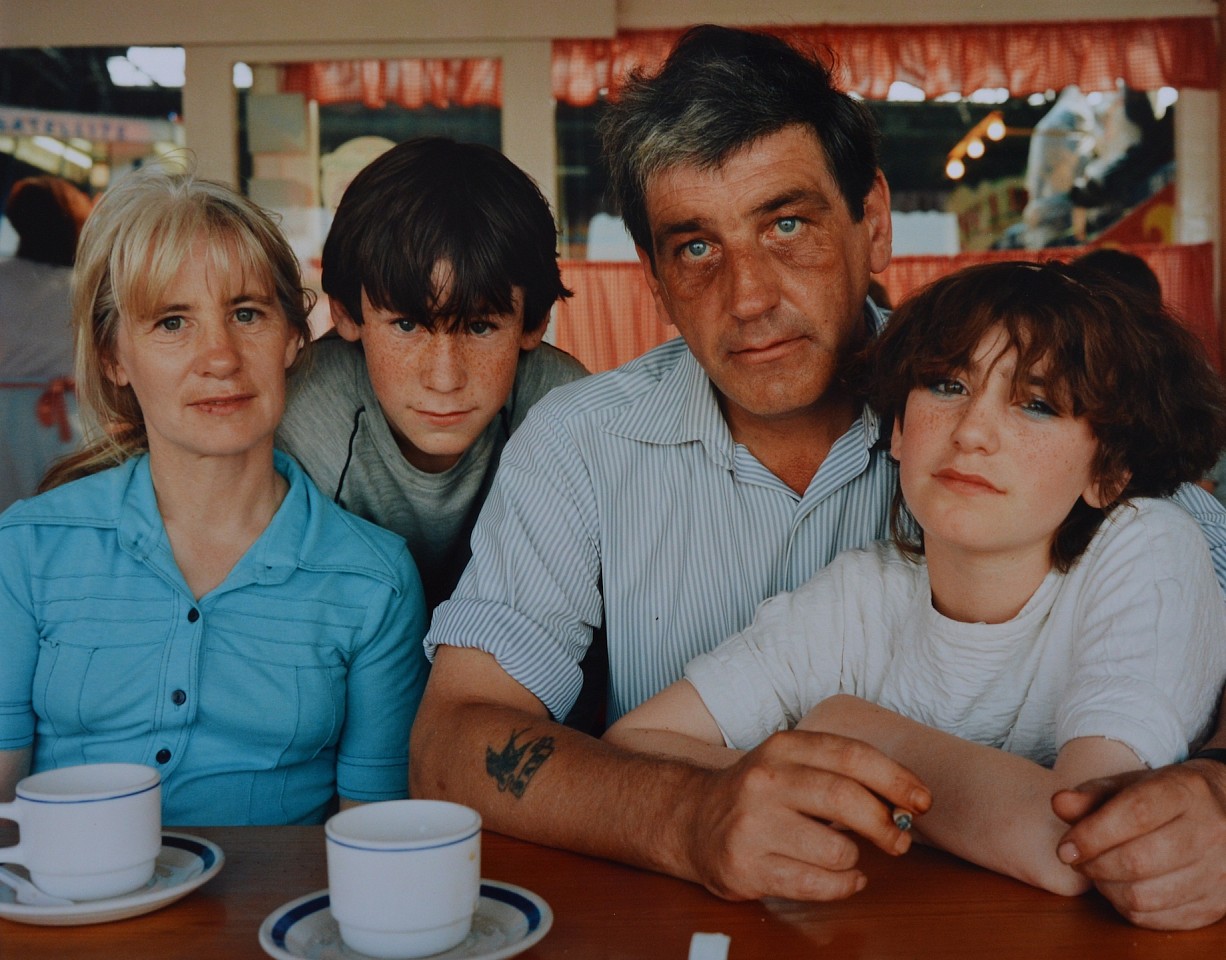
column 184, row 863
column 508, row 921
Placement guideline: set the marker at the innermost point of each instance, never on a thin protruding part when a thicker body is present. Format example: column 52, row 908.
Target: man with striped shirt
column 661, row 502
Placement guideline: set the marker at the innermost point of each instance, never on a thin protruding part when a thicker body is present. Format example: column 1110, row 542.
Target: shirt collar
column 681, row 407
column 271, row 559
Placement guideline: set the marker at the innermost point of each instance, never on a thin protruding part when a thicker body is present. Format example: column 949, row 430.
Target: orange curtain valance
column 407, row 83
column 1023, row 58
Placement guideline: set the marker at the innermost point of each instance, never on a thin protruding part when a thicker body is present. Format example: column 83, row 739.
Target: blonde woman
column 183, row 596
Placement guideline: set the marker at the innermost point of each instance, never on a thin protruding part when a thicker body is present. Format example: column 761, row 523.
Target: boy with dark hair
column 441, row 269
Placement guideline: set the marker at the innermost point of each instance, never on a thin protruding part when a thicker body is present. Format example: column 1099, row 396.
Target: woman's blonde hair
column 133, row 244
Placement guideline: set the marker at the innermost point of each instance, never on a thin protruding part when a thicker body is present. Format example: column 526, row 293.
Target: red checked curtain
column 1020, row 57
column 612, row 318
column 406, row 83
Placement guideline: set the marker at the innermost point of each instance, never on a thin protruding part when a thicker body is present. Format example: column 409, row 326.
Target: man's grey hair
column 719, row 91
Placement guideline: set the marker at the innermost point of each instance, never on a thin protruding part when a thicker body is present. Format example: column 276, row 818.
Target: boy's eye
column 405, row 325
column 481, row 328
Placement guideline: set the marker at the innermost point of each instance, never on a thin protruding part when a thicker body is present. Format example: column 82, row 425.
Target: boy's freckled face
column 439, row 389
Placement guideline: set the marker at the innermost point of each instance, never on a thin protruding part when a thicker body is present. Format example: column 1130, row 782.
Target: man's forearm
column 536, row 779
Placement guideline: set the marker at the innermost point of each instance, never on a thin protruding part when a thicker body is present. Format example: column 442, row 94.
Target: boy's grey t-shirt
column 334, row 427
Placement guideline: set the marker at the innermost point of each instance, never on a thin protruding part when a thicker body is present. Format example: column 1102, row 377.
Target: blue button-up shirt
column 296, row 677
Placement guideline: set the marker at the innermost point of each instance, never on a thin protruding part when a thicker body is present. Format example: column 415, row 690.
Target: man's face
column 763, row 272
column 439, row 389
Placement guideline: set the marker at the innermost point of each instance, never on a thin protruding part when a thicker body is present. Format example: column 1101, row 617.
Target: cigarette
column 902, row 818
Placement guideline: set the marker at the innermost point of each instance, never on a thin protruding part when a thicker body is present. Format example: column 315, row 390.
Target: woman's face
column 208, row 364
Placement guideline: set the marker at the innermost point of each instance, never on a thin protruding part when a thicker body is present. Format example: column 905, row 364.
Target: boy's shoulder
column 331, row 360
column 330, row 385
column 538, row 372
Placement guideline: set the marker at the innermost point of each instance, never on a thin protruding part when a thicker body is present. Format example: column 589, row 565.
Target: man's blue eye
column 788, row 225
column 697, row 248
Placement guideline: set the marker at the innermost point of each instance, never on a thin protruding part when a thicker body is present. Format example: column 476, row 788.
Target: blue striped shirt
column 623, row 501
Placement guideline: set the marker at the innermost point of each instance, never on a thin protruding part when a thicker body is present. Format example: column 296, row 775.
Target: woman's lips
column 226, row 404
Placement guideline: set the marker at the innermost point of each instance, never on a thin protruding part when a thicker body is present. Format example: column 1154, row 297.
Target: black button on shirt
column 163, row 756
column 178, row 698
column 193, row 615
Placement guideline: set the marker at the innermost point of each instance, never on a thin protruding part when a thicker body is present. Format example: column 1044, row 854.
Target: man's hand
column 1153, row 842
column 762, row 826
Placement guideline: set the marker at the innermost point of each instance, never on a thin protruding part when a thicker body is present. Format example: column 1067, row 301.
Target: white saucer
column 184, row 863
column 508, row 921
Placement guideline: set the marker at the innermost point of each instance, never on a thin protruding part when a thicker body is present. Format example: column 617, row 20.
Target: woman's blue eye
column 173, row 324
column 245, row 315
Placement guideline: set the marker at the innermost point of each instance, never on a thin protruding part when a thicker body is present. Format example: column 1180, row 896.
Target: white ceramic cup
column 404, row 875
column 87, row 832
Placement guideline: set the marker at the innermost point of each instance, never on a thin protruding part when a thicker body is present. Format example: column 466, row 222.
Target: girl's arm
column 674, row 723
column 989, row 806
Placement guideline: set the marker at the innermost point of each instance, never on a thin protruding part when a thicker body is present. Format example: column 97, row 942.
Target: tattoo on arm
column 517, row 763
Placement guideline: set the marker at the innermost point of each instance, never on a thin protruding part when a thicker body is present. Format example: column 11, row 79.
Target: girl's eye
column 947, row 388
column 171, row 324
column 1039, row 407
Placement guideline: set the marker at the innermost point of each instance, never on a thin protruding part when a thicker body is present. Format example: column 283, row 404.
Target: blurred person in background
column 37, row 413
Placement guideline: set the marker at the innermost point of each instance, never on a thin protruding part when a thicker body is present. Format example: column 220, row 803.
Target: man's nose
column 753, row 282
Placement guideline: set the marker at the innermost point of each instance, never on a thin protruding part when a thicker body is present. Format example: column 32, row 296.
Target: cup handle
column 16, row 852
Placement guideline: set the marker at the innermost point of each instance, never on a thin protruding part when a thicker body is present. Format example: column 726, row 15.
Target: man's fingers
column 1163, row 903
column 1117, row 818
column 1074, row 804
column 1152, row 896
column 857, row 762
column 798, row 880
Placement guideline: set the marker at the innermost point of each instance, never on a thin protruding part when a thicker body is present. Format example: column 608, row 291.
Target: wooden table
column 923, row 905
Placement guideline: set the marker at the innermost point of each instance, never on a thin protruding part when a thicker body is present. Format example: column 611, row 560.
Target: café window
column 305, row 130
